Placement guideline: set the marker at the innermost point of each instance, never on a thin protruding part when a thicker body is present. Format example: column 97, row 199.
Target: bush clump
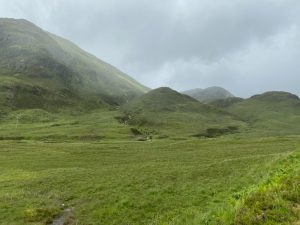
column 217, row 132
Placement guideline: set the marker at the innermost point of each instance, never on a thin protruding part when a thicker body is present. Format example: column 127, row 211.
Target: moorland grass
column 275, row 201
column 127, row 182
column 37, row 124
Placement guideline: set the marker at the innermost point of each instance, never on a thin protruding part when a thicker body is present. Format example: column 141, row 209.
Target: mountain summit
column 209, row 94
column 40, row 70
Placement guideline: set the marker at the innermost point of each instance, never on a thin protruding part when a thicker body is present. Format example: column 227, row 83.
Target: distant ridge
column 275, row 96
column 272, row 112
column 209, row 94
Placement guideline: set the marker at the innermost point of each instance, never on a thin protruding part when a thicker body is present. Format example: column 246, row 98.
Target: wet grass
column 275, row 201
column 127, row 182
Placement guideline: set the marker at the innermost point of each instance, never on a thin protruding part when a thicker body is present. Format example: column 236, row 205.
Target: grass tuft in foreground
column 277, row 201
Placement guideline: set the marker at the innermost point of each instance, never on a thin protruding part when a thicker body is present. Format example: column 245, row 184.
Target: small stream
column 61, row 219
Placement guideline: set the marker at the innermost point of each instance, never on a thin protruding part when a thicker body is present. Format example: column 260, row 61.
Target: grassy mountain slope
column 226, row 102
column 171, row 113
column 271, row 113
column 38, row 124
column 209, row 94
column 35, row 64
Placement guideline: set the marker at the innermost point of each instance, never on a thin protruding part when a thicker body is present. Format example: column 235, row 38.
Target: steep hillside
column 39, row 69
column 271, row 113
column 209, row 94
column 165, row 111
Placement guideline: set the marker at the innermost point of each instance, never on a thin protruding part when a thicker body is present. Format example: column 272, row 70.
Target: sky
column 245, row 46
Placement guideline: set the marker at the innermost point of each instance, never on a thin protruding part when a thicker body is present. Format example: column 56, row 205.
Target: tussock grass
column 275, row 201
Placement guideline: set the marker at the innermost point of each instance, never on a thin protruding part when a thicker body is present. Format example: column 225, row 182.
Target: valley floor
column 157, row 182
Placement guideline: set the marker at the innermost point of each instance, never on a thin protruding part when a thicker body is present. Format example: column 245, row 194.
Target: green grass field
column 128, row 182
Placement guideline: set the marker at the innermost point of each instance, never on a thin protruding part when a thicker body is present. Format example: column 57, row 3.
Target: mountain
column 160, row 100
column 165, row 111
column 209, row 94
column 41, row 70
column 273, row 113
column 277, row 97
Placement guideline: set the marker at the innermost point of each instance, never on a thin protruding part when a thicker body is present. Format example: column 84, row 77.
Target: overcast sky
column 246, row 46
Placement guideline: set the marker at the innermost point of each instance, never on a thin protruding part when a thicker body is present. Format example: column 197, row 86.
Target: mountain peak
column 160, row 99
column 275, row 96
column 166, row 95
column 209, row 94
